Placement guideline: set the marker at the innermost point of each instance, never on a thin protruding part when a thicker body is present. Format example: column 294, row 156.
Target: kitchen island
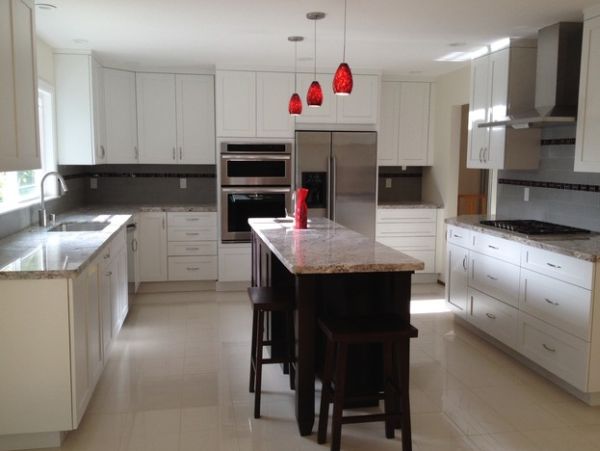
column 333, row 271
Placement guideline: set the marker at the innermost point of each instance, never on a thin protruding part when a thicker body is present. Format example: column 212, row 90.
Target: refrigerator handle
column 333, row 173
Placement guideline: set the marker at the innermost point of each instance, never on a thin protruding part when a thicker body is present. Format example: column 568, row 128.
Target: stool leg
column 404, row 390
column 253, row 350
column 291, row 342
column 388, row 378
column 338, row 397
column 326, row 392
column 259, row 362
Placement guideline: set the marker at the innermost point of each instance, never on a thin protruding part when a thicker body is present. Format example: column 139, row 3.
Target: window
column 18, row 188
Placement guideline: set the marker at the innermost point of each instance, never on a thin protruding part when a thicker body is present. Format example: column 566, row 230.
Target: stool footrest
column 371, row 418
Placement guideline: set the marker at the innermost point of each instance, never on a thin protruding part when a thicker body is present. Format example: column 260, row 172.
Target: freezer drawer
column 193, row 268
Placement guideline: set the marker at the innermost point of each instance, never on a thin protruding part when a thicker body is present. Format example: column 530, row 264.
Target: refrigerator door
column 313, row 156
column 354, row 175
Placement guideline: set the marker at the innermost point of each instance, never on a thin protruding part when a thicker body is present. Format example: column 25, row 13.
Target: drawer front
column 406, row 214
column 506, row 250
column 193, row 248
column 406, row 229
column 499, row 320
column 495, row 277
column 562, row 267
column 558, row 352
column 201, row 219
column 561, row 304
column 426, row 243
column 459, row 236
column 193, row 268
column 192, row 234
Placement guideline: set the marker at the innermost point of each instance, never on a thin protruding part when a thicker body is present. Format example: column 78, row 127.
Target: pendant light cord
column 345, row 21
column 315, row 50
column 295, row 66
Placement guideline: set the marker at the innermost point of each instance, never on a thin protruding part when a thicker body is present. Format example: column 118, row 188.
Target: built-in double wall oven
column 256, row 182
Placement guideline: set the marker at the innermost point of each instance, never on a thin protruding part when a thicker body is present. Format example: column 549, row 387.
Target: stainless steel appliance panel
column 313, row 150
column 256, row 169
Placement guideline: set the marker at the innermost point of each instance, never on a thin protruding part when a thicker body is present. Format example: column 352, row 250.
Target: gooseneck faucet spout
column 43, row 217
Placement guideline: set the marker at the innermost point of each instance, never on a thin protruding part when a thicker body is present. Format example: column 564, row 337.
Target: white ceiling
column 397, row 36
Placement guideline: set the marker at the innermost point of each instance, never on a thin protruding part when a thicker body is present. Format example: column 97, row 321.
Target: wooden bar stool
column 388, row 331
column 265, row 300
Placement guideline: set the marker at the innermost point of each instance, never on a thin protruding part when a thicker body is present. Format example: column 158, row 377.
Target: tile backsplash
column 556, row 193
column 404, row 185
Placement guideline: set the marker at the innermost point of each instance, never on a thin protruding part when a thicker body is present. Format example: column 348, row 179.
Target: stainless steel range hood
column 557, row 80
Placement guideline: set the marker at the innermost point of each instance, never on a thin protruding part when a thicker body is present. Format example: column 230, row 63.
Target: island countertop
column 326, row 247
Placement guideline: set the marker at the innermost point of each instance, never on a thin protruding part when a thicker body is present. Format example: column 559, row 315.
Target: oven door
column 253, row 170
column 240, row 204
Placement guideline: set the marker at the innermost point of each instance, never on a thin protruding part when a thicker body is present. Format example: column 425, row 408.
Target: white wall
column 440, row 182
column 45, row 62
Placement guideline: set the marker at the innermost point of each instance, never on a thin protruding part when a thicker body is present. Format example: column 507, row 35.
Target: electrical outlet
column 388, row 182
column 183, row 183
column 93, row 183
column 526, row 194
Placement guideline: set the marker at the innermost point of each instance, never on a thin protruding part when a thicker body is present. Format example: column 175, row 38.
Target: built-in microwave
column 256, row 164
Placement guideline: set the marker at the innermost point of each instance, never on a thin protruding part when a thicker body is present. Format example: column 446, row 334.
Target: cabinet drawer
column 192, row 234
column 426, row 243
column 499, row 320
column 459, row 236
column 193, row 248
column 406, row 229
column 558, row 266
column 506, row 250
column 558, row 352
column 561, row 304
column 200, row 219
column 495, row 278
column 406, row 214
column 193, row 268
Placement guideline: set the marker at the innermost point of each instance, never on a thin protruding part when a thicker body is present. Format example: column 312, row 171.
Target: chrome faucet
column 43, row 217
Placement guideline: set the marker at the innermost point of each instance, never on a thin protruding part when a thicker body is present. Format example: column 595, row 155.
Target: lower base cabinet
column 193, row 268
column 498, row 319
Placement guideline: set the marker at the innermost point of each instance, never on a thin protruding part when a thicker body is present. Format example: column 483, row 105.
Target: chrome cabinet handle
column 163, row 223
column 554, row 266
column 107, row 256
column 136, row 152
column 192, row 233
column 548, row 348
column 480, row 152
column 134, row 245
column 485, row 150
column 192, row 219
column 109, row 273
column 457, row 236
column 173, row 153
column 192, row 249
column 556, row 304
column 493, row 247
column 490, row 315
column 193, row 268
column 464, row 263
column 492, row 278
column 181, row 153
column 102, row 152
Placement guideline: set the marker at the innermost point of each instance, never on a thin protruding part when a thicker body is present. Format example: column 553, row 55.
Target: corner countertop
column 390, row 205
column 326, row 247
column 583, row 247
column 36, row 253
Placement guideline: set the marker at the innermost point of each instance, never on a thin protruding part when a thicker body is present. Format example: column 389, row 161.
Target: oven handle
column 256, row 190
column 237, row 157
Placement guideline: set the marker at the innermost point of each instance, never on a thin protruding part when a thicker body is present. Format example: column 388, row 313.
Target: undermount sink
column 79, row 226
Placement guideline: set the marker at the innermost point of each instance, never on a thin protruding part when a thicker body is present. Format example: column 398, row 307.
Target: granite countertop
column 326, row 247
column 584, row 247
column 390, row 205
column 134, row 208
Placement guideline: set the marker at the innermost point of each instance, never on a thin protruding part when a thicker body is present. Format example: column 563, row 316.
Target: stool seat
column 271, row 299
column 370, row 329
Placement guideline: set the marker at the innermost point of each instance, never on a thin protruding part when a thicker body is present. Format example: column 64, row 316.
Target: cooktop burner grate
column 532, row 227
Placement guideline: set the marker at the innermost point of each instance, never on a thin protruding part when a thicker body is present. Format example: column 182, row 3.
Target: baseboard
column 424, row 278
column 175, row 287
column 232, row 286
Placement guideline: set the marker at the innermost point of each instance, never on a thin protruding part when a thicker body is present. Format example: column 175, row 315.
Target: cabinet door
column 123, row 292
column 273, row 91
column 413, row 135
column 19, row 146
column 81, row 385
column 195, row 119
column 360, row 107
column 105, row 307
column 156, row 115
column 493, row 155
column 587, row 144
column 121, row 116
column 94, row 325
column 99, row 121
column 327, row 112
column 458, row 272
column 479, row 138
column 153, row 247
column 236, row 104
column 387, row 143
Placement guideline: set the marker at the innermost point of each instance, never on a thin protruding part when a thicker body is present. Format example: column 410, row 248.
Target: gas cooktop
column 532, row 227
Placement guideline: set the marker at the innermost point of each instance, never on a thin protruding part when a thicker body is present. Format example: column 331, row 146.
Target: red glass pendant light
column 342, row 80
column 295, row 105
column 314, row 96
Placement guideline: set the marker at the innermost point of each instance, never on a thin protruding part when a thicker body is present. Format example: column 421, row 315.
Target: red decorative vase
column 301, row 212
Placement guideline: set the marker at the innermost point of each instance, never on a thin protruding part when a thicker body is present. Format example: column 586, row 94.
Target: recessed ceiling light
column 46, row 6
column 80, row 41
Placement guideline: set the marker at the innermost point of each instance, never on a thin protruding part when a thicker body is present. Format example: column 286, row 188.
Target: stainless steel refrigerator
column 340, row 171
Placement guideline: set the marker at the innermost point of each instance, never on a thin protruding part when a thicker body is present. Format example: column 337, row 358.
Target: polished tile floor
column 177, row 381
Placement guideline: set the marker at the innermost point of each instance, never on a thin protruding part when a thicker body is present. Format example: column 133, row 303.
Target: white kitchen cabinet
column 235, row 262
column 104, row 293
column 327, row 112
column 362, row 106
column 587, row 143
column 153, row 246
column 273, row 91
column 495, row 277
column 405, row 124
column 498, row 319
column 95, row 350
column 19, row 146
column 494, row 95
column 121, row 116
column 157, row 118
column 195, row 119
column 236, row 104
column 80, row 125
column 457, row 280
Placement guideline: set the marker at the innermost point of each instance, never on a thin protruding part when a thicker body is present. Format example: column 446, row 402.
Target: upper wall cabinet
column 19, row 143
column 79, row 109
column 121, row 117
column 587, row 144
column 501, row 81
column 175, row 118
column 254, row 104
column 405, row 124
column 361, row 107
